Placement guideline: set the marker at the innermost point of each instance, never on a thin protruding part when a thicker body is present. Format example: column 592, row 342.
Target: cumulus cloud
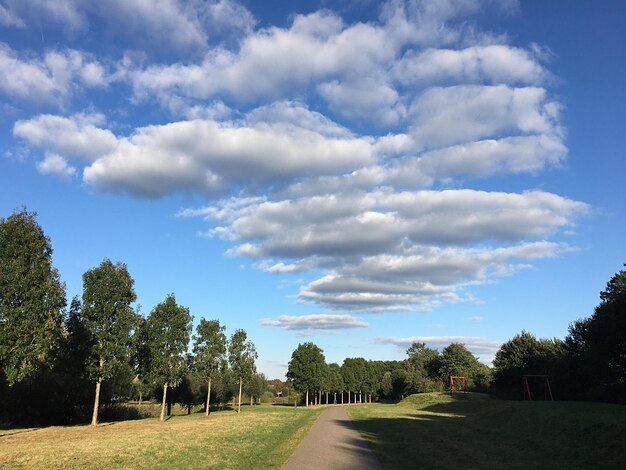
column 316, row 323
column 422, row 278
column 484, row 348
column 74, row 136
column 494, row 64
column 207, row 156
column 386, row 250
column 153, row 25
column 451, row 115
column 50, row 78
column 362, row 223
column 56, row 165
column 321, row 145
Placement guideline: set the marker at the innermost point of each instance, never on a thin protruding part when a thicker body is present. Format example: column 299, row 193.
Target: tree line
column 588, row 364
column 54, row 362
column 358, row 380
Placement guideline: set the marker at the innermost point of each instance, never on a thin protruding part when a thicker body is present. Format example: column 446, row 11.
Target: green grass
column 474, row 431
column 261, row 437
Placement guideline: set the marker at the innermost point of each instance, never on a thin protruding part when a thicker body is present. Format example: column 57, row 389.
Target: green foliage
column 355, row 374
column 423, row 365
column 256, row 385
column 32, row 298
column 335, row 379
column 242, row 355
column 209, row 348
column 386, row 385
column 399, row 382
column 108, row 317
column 456, row 360
column 166, row 334
column 306, row 369
column 598, row 345
column 525, row 354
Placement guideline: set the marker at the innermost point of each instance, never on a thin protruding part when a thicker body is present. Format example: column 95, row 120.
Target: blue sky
column 358, row 174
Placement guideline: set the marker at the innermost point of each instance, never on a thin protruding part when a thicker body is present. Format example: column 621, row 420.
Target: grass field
column 261, row 437
column 474, row 431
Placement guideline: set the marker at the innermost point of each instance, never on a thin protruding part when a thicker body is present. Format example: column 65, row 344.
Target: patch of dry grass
column 261, row 437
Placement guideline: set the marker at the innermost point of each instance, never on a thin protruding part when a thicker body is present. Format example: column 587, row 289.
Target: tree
column 107, row 297
column 166, row 336
column 241, row 356
column 32, row 298
column 354, row 371
column 256, row 386
column 306, row 368
column 456, row 360
column 335, row 379
column 525, row 354
column 209, row 349
column 598, row 344
column 386, row 385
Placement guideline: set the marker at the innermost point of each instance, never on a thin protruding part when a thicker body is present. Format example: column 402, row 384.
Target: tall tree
column 256, row 386
column 241, row 356
column 306, row 368
column 166, row 335
column 598, row 344
column 209, row 349
column 335, row 379
column 109, row 318
column 32, row 298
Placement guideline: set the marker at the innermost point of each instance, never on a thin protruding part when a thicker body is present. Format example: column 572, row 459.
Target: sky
column 354, row 173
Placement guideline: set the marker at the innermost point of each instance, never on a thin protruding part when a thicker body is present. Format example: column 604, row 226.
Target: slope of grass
column 261, row 437
column 475, row 431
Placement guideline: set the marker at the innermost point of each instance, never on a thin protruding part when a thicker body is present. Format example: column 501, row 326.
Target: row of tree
column 589, row 364
column 357, row 379
column 48, row 355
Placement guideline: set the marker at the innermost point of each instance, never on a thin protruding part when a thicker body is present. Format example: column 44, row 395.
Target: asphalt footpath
column 333, row 443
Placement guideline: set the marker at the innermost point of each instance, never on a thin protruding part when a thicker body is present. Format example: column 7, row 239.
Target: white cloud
column 75, row 136
column 56, row 165
column 361, row 223
column 494, row 63
column 364, row 100
column 179, row 25
column 325, row 139
column 51, row 78
column 9, row 18
column 315, row 323
column 207, row 156
column 476, row 344
column 421, row 278
column 452, row 115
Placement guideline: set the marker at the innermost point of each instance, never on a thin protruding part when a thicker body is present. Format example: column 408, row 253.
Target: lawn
column 475, row 431
column 261, row 437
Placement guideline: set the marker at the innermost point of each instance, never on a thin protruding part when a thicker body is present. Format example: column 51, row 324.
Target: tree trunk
column 96, row 404
column 140, row 397
column 239, row 404
column 327, row 398
column 306, row 403
column 320, row 397
column 162, row 418
column 342, row 397
column 335, row 399
column 251, row 400
column 208, row 399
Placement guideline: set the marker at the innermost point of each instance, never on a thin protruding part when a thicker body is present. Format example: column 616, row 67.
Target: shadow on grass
column 494, row 434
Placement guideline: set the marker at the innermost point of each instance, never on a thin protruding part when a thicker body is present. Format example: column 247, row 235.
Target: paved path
column 333, row 444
